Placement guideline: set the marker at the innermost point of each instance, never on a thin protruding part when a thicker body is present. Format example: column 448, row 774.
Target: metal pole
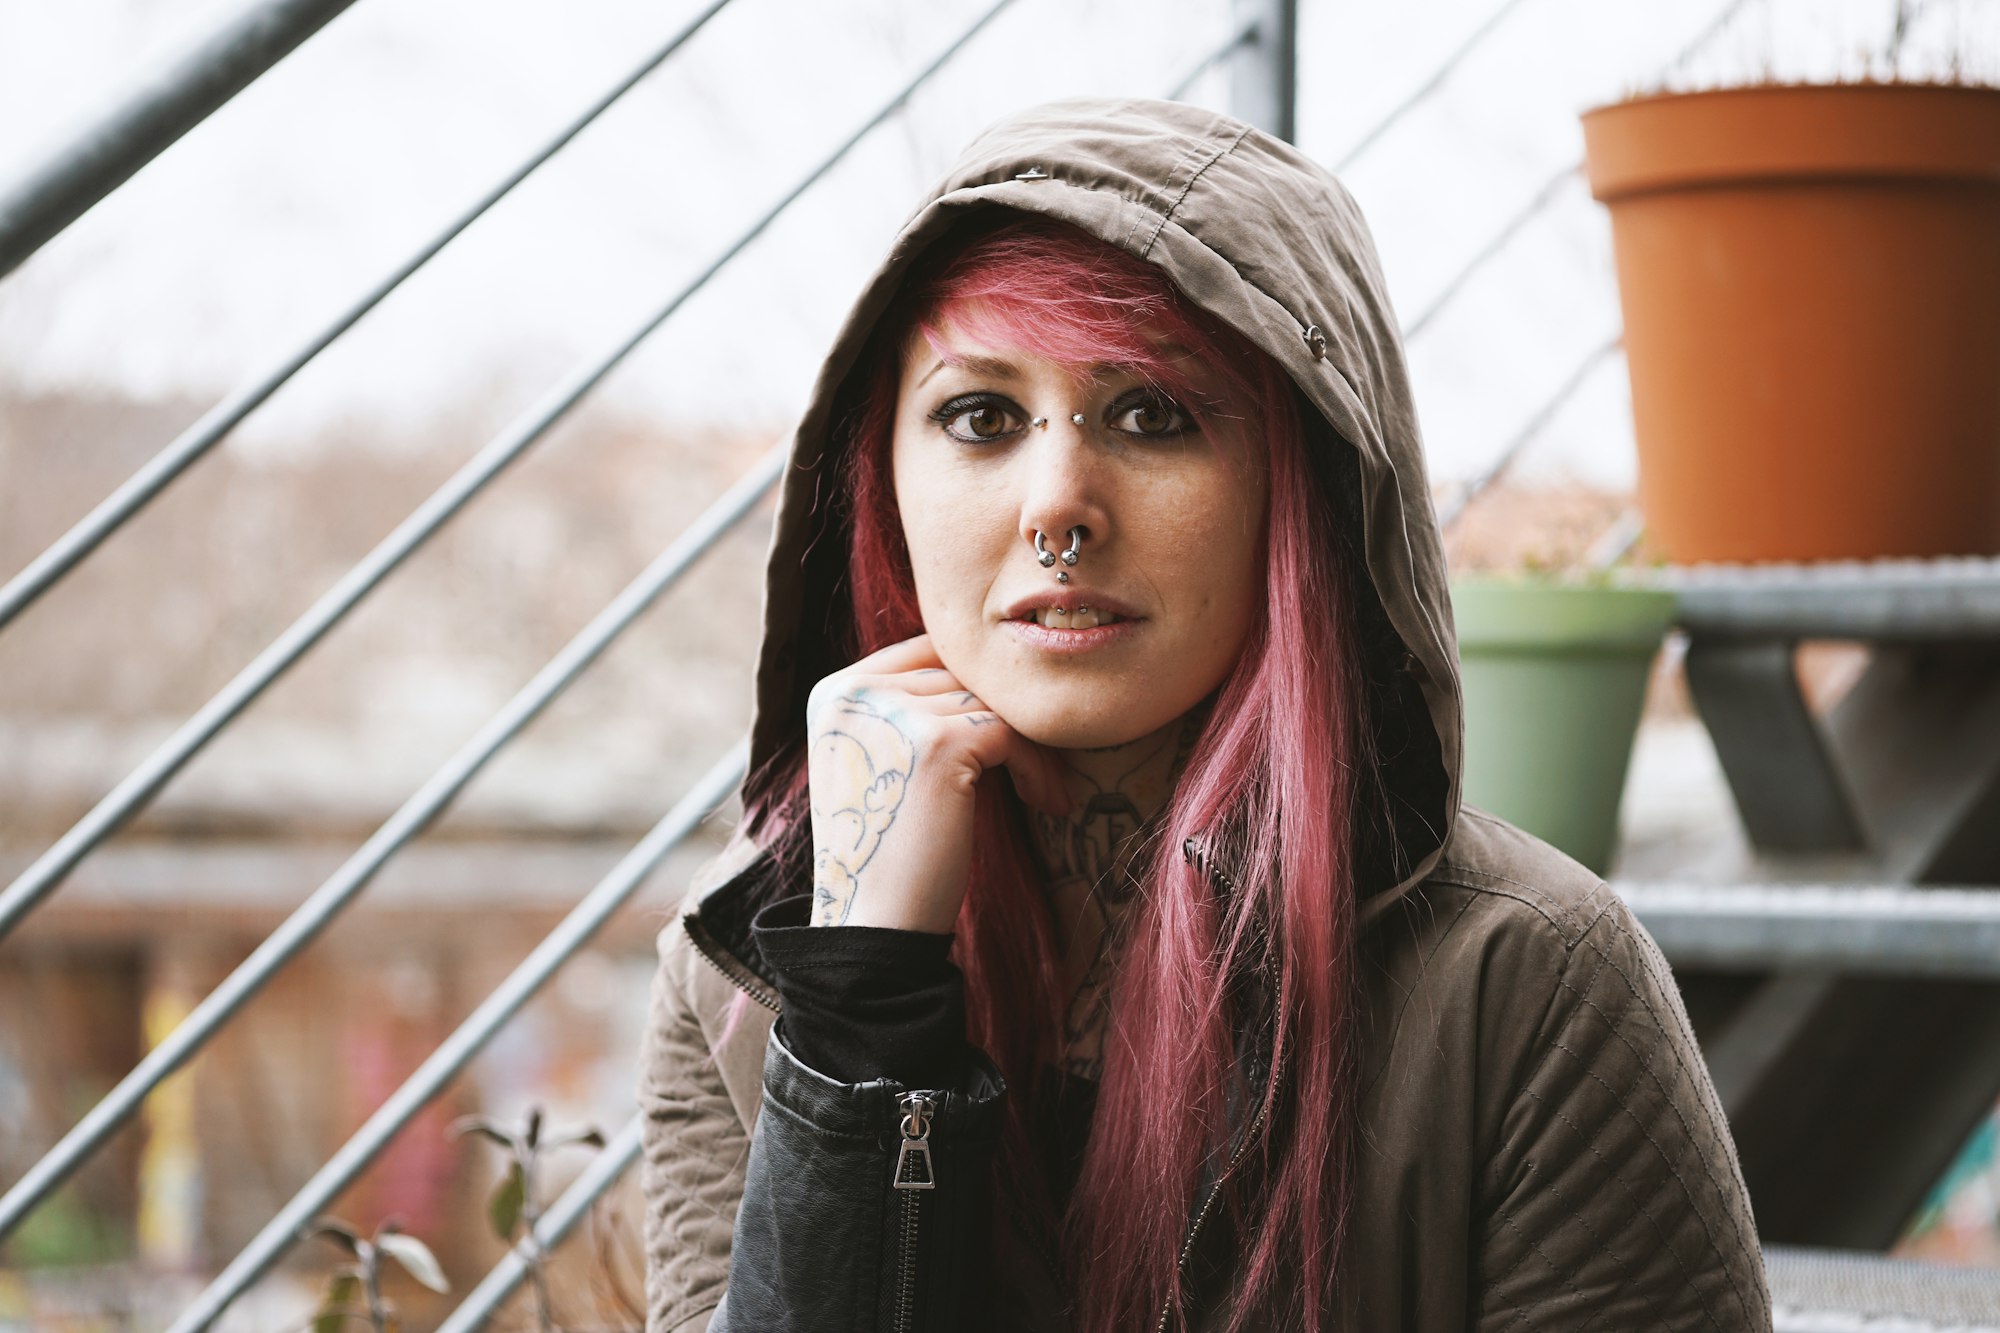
column 80, row 171
column 1245, row 32
column 1263, row 72
column 1457, row 505
column 610, row 893
column 1427, row 87
column 327, row 901
column 38, row 880
column 507, row 1275
column 70, row 549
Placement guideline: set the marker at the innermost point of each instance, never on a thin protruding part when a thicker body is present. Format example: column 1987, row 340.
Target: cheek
column 946, row 529
column 1209, row 541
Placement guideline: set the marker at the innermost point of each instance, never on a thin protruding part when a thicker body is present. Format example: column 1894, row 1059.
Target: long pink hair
column 1272, row 795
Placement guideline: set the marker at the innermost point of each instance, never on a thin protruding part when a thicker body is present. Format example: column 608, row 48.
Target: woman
column 1217, row 1009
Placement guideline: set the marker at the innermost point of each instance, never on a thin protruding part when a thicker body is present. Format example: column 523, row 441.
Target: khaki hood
column 1259, row 235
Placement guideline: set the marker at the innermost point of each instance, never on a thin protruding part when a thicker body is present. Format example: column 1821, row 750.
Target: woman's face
column 1172, row 514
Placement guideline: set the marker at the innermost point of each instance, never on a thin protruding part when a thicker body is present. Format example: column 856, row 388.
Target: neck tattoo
column 1088, row 862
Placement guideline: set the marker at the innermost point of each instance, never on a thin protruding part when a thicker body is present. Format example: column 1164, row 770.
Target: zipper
column 914, row 1154
column 913, row 1176
column 704, row 946
column 1187, row 1247
column 1196, row 857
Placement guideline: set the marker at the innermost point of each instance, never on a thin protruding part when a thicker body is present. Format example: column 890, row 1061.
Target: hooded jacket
column 1539, row 1142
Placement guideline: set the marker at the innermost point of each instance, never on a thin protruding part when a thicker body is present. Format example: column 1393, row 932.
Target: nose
column 1063, row 495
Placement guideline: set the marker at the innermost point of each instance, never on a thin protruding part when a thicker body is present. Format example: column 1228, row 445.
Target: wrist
column 889, row 916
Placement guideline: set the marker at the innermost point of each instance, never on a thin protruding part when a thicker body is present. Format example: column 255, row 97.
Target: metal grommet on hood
column 1032, row 174
column 1316, row 340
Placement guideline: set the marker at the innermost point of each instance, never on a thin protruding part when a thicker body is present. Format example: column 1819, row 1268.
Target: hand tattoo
column 861, row 767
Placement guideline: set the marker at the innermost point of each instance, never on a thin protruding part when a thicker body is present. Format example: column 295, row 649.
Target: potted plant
column 1810, row 282
column 1555, row 674
column 1556, row 645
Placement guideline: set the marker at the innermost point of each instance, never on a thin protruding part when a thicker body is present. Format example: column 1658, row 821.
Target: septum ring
column 1069, row 557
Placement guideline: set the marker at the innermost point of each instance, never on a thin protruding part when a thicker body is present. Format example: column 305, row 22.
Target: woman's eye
column 1153, row 416
column 975, row 422
column 984, row 422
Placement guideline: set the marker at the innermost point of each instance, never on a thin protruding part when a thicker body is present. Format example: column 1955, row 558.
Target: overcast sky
column 272, row 215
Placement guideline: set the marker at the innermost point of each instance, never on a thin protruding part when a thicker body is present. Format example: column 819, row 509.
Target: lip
column 1072, row 595
column 1031, row 635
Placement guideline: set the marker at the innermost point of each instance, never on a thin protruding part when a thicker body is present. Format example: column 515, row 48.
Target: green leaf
column 343, row 1292
column 416, row 1259
column 503, row 1210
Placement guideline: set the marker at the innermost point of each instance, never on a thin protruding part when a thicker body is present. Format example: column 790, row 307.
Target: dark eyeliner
column 965, row 402
column 1144, row 396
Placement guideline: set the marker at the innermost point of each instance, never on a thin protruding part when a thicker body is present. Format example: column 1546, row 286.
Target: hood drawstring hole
column 1316, row 340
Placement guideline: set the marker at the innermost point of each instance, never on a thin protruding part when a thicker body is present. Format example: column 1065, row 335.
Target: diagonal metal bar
column 330, row 898
column 1529, row 212
column 1242, row 36
column 39, row 879
column 1533, row 427
column 1542, row 198
column 1423, row 91
column 507, row 1276
column 457, row 1050
column 1722, row 19
column 73, row 546
column 81, row 170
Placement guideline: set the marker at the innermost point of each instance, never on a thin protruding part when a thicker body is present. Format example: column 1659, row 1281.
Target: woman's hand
column 897, row 750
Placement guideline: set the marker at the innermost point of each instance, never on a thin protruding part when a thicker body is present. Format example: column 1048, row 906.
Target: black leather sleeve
column 825, row 1239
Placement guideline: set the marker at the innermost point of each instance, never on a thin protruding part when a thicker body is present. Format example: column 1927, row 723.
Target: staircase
column 1841, row 974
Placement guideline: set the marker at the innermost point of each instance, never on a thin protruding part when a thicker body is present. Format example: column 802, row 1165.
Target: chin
column 1086, row 723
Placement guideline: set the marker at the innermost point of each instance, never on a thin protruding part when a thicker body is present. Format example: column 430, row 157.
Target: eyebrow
column 994, row 367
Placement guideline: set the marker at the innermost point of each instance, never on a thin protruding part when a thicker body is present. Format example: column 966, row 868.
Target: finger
column 921, row 681
column 904, row 655
column 1033, row 769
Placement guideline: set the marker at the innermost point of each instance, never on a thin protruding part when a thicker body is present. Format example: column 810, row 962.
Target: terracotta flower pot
column 1810, row 278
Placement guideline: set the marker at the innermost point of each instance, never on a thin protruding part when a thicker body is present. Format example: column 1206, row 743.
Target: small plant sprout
column 516, row 1203
column 355, row 1291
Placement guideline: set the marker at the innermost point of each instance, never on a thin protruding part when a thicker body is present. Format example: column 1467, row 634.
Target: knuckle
column 832, row 691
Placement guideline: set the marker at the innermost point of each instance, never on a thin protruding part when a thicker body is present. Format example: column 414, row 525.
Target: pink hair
column 1286, row 912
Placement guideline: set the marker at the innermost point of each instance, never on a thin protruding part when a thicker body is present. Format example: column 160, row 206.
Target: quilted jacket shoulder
column 1541, row 1142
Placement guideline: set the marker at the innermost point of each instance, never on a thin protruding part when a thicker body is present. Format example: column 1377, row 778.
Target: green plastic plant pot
column 1555, row 679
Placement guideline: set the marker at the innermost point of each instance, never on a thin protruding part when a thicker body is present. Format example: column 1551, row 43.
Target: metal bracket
column 1773, row 751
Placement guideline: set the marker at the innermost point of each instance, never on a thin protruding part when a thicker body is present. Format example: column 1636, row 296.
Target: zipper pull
column 913, row 1158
